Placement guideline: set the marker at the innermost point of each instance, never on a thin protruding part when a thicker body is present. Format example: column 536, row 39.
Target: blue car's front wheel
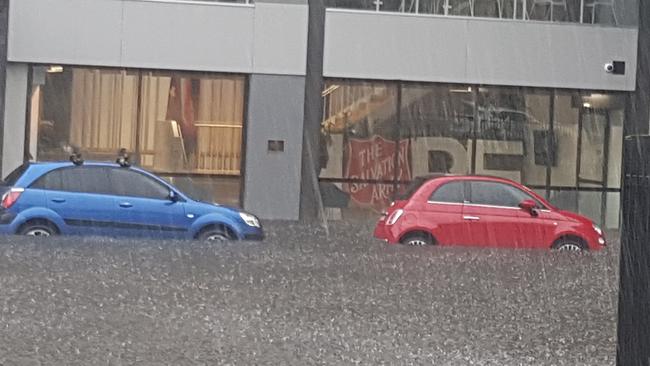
column 214, row 233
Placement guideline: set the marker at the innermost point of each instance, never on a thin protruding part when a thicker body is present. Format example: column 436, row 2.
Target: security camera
column 609, row 68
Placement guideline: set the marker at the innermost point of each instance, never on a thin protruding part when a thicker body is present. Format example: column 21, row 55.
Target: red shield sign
column 374, row 159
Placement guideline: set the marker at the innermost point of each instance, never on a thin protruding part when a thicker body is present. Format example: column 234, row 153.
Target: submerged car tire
column 214, row 233
column 38, row 228
column 569, row 245
column 417, row 240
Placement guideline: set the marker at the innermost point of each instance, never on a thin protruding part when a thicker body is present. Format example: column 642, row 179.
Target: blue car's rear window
column 13, row 177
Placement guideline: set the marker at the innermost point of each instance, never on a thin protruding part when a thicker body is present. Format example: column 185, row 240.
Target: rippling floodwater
column 300, row 298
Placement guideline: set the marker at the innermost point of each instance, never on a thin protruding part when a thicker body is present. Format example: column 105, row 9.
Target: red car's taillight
column 9, row 198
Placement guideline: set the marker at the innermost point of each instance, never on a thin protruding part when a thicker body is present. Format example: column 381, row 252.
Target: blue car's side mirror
column 173, row 196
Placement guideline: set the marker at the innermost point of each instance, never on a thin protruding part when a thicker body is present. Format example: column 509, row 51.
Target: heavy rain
column 326, row 182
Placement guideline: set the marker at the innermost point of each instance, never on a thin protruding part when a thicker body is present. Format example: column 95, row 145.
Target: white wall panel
column 263, row 38
column 553, row 55
column 280, row 39
column 187, row 36
column 68, row 32
column 470, row 50
column 387, row 46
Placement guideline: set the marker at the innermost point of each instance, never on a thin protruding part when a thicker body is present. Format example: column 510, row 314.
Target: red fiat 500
column 483, row 211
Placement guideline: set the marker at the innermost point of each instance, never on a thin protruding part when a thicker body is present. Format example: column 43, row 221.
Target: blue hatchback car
column 94, row 198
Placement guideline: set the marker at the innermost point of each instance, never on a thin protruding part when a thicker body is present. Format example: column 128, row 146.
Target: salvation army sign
column 374, row 159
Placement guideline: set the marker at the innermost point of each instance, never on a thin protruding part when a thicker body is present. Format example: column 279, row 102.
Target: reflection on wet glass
column 565, row 145
column 186, row 126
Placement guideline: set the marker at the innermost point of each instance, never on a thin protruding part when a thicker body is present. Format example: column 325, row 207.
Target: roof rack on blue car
column 76, row 158
column 123, row 158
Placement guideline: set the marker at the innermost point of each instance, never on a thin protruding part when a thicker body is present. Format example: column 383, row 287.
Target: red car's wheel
column 569, row 245
column 417, row 240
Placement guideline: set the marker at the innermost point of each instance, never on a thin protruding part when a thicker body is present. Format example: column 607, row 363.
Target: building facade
column 290, row 109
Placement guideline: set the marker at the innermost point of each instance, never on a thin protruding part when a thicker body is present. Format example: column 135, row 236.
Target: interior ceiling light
column 586, row 105
column 54, row 69
column 467, row 90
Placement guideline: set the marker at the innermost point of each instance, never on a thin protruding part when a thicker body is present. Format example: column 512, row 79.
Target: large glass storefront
column 377, row 136
column 186, row 127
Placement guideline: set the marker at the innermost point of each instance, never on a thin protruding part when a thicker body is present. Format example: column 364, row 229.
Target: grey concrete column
column 14, row 116
column 4, row 27
column 633, row 328
column 637, row 119
column 309, row 207
column 275, row 110
column 274, row 130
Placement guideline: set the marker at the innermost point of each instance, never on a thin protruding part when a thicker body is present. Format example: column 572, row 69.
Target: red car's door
column 537, row 231
column 442, row 213
column 493, row 217
column 490, row 226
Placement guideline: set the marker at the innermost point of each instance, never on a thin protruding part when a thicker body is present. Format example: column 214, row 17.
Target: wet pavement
column 301, row 299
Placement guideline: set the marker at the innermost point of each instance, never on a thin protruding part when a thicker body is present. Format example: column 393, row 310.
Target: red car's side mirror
column 529, row 206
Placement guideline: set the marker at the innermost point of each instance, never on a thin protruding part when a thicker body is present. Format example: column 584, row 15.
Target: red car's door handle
column 471, row 218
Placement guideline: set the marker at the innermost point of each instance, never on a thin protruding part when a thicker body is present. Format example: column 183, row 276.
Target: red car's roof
column 449, row 177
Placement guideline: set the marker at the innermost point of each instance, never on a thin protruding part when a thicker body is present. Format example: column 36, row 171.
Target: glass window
column 13, row 177
column 453, row 192
column 126, row 182
column 588, row 133
column 76, row 179
column 496, row 194
column 565, row 130
column 359, row 156
column 512, row 134
column 93, row 180
column 352, row 4
column 437, row 121
column 411, row 188
column 50, row 181
column 173, row 123
column 565, row 145
column 618, row 13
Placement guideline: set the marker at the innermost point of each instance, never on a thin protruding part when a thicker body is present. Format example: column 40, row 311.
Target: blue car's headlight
column 249, row 219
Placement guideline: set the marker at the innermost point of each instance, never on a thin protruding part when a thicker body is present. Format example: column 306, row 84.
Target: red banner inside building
column 374, row 159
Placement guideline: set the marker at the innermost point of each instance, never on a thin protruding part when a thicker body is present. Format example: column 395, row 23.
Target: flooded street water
column 302, row 299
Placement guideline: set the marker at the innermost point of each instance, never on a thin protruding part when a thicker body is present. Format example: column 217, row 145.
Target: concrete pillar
column 274, row 145
column 4, row 26
column 310, row 196
column 275, row 110
column 14, row 116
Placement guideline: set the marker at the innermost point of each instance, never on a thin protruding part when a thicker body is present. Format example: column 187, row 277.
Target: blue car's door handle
column 125, row 205
column 58, row 200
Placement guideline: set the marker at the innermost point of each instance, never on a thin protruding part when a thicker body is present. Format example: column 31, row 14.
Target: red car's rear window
column 412, row 188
